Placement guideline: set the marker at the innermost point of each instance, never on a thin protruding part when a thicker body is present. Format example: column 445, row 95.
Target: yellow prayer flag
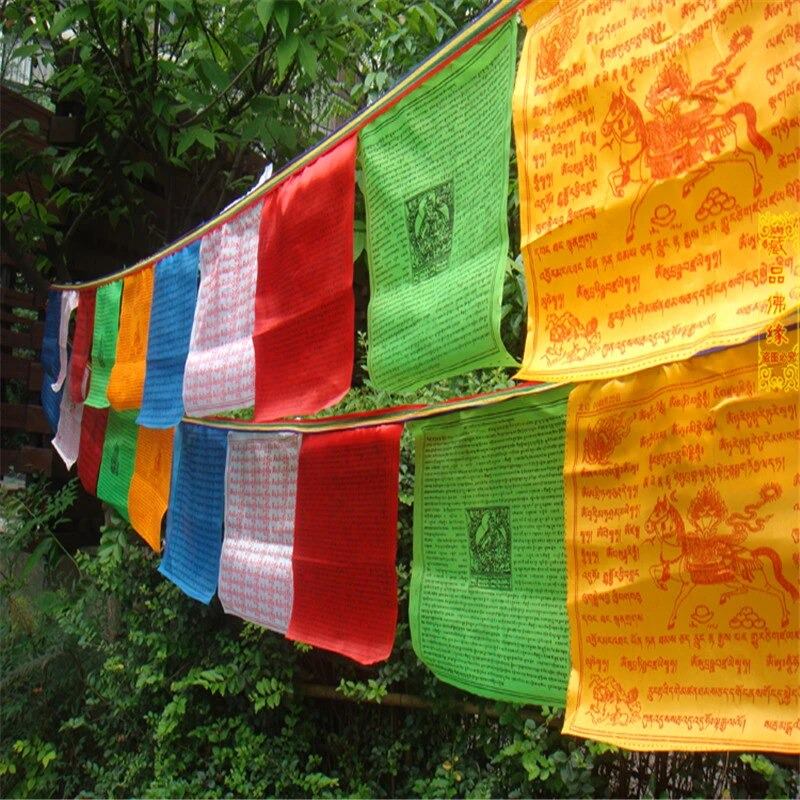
column 150, row 485
column 126, row 384
column 657, row 155
column 681, row 493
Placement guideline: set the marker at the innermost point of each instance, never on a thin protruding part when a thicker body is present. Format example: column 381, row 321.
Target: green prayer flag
column 488, row 584
column 119, row 456
column 104, row 342
column 436, row 187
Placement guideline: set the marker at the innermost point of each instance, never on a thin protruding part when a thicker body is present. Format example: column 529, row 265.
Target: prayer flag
column 116, row 467
column 126, row 384
column 50, row 398
column 171, row 317
column 681, row 534
column 90, row 451
column 311, row 536
column 220, row 369
column 436, row 189
column 68, row 437
column 488, row 584
column 149, row 490
column 657, row 179
column 69, row 302
column 194, row 518
column 81, row 345
column 304, row 307
column 104, row 341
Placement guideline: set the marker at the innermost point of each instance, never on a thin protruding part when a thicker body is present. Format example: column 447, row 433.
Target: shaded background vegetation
column 114, row 683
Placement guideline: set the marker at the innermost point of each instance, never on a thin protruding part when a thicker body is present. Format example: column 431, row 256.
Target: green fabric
column 119, row 456
column 488, row 584
column 104, row 341
column 436, row 186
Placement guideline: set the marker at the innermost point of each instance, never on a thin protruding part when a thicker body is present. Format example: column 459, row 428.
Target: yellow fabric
column 149, row 492
column 654, row 151
column 126, row 384
column 682, row 555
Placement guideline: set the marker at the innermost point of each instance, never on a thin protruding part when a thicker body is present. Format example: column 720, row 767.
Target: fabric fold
column 126, row 384
column 194, row 519
column 220, row 367
column 116, row 466
column 148, row 496
column 90, row 449
column 82, row 344
column 69, row 302
column 171, row 316
column 51, row 399
column 68, row 436
column 304, row 306
column 104, row 342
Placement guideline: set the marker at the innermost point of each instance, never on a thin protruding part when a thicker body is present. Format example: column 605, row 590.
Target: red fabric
column 345, row 542
column 90, row 450
column 304, row 308
column 81, row 344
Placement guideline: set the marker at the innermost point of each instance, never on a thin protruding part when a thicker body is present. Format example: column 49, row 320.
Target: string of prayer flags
column 81, row 345
column 68, row 436
column 126, row 384
column 220, row 368
column 149, row 490
column 90, row 449
column 436, row 189
column 194, row 518
column 304, row 305
column 116, row 466
column 310, row 537
column 658, row 184
column 681, row 537
column 171, row 317
column 50, row 398
column 488, row 584
column 69, row 302
column 104, row 342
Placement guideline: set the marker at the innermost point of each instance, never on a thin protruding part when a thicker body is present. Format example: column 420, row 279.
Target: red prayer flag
column 345, row 542
column 81, row 345
column 90, row 450
column 304, row 307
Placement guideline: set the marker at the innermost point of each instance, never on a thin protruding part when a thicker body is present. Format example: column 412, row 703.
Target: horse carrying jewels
column 703, row 555
column 684, row 130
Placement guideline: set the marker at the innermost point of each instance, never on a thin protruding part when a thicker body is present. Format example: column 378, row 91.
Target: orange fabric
column 126, row 384
column 657, row 168
column 150, row 484
column 682, row 559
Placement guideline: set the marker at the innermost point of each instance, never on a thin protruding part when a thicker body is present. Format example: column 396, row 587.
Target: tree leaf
column 284, row 53
column 214, row 73
column 282, row 18
column 264, row 9
column 307, row 55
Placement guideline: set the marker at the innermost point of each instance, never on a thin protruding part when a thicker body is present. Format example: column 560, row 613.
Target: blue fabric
column 194, row 520
column 51, row 401
column 171, row 318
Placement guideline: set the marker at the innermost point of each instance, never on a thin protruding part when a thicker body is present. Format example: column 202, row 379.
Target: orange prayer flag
column 126, row 384
column 658, row 181
column 682, row 553
column 149, row 491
